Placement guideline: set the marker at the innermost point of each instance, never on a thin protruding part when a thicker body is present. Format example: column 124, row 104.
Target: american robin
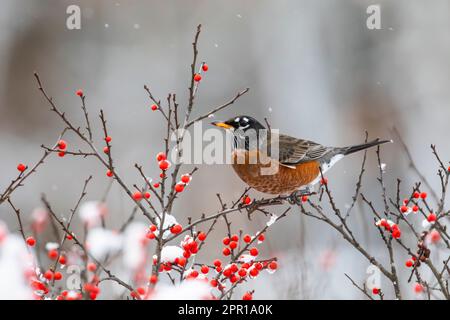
column 294, row 168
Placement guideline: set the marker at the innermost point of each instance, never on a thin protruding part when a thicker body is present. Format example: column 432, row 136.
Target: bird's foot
column 296, row 197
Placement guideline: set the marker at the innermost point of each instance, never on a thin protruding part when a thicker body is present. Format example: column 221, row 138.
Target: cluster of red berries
column 92, row 289
column 416, row 195
column 138, row 195
column 389, row 226
column 198, row 76
column 62, row 146
column 163, row 163
column 50, row 275
column 185, row 179
column 190, row 246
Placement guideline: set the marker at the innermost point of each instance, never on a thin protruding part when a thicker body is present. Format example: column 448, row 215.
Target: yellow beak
column 221, row 125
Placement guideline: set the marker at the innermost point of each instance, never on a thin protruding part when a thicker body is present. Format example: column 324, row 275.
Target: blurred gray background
column 313, row 69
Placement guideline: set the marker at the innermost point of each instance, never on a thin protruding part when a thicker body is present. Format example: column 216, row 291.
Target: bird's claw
column 296, row 196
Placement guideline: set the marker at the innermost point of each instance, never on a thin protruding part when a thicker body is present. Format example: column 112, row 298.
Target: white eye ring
column 237, row 119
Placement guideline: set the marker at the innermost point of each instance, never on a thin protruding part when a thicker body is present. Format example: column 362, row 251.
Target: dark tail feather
column 359, row 147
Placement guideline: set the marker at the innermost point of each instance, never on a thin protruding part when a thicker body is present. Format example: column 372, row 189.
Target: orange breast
column 269, row 176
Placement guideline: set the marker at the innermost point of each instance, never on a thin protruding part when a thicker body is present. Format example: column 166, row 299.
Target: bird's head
column 246, row 131
column 243, row 123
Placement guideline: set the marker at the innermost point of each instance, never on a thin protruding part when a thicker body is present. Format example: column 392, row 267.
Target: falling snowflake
column 383, row 167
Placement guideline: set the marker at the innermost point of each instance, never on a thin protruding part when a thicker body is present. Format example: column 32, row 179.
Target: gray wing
column 294, row 151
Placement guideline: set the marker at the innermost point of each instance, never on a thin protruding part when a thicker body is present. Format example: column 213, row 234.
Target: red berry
column 176, row 229
column 201, row 236
column 213, row 283
column 233, row 245
column 91, row 266
column 194, row 274
column 79, row 93
column 246, row 200
column 254, row 252
column 258, row 266
column 234, row 278
column 227, row 272
column 234, row 237
column 415, row 208
column 431, row 217
column 304, row 198
column 57, row 276
column 62, row 145
column 164, row 165
column 181, row 261
column 396, row 233
column 242, row 272
column 162, row 175
column 185, row 178
column 226, row 241
column 435, row 236
column 108, row 139
column 247, row 296
column 205, row 67
column 323, row 181
column 31, row 241
column 418, row 288
column 375, row 291
column 179, row 187
column 106, row 150
column 48, row 275
column 62, row 260
column 204, row 269
column 150, row 236
column 226, row 251
column 247, row 238
column 21, row 167
column 254, row 272
column 403, row 209
column 137, row 195
column 53, row 254
column 154, row 107
column 153, row 228
column 141, row 290
column 69, row 237
column 197, row 77
column 409, row 263
column 273, row 265
column 156, row 185
column 261, row 237
column 147, row 195
column 217, row 263
column 161, row 156
column 416, row 195
column 61, row 154
column 109, row 173
column 153, row 279
column 423, row 195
